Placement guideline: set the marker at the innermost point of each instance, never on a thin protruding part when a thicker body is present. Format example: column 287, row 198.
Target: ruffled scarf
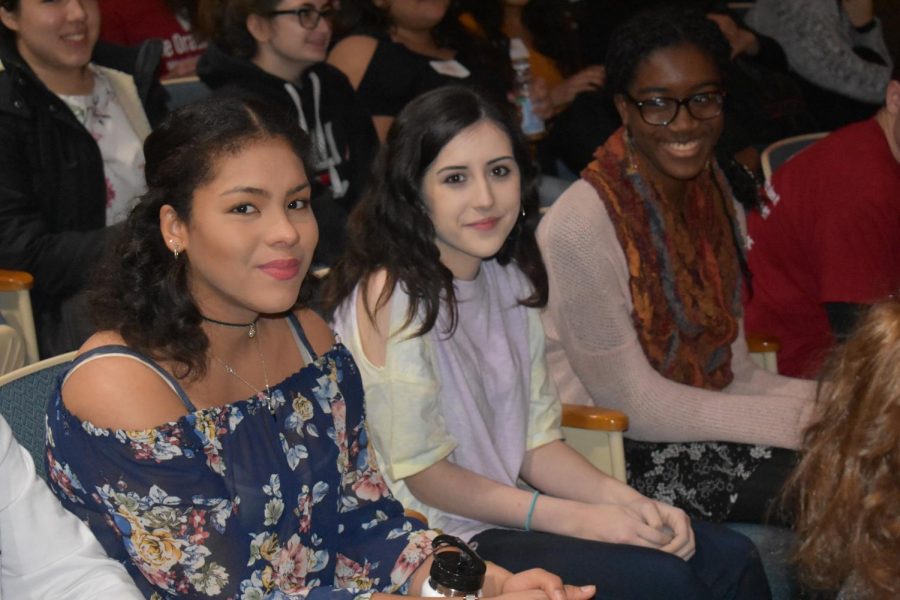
column 683, row 265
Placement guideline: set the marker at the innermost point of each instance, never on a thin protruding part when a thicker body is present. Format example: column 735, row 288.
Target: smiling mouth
column 683, row 149
column 485, row 224
column 75, row 37
column 282, row 269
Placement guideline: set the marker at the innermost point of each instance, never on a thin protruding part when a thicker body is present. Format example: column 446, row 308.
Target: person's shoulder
column 337, row 91
column 328, row 74
column 356, row 41
column 352, row 56
column 578, row 201
column 840, row 155
column 12, row 103
column 317, row 331
column 116, row 388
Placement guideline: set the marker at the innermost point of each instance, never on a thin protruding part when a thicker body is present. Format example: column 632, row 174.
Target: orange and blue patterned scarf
column 685, row 276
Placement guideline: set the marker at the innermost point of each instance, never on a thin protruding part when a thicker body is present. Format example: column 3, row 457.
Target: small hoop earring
column 176, row 248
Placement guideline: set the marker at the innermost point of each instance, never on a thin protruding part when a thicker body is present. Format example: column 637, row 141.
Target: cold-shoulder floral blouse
column 252, row 500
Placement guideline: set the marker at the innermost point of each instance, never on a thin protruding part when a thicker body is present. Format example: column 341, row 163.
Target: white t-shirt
column 120, row 146
column 45, row 551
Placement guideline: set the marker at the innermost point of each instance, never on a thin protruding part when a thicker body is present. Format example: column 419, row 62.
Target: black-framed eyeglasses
column 308, row 16
column 662, row 110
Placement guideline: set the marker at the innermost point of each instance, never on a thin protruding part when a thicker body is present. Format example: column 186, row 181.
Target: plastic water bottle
column 532, row 125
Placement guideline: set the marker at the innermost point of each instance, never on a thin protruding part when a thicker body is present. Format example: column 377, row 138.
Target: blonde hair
column 846, row 489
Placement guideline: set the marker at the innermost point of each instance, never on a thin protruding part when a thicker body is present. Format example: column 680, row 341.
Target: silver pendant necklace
column 251, row 326
column 267, row 395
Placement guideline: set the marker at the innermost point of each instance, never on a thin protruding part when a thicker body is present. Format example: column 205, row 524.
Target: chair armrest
column 596, row 433
column 591, row 417
column 15, row 308
column 760, row 342
column 764, row 350
column 14, row 281
column 411, row 513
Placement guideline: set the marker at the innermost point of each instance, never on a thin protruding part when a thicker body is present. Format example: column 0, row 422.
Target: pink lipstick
column 282, row 269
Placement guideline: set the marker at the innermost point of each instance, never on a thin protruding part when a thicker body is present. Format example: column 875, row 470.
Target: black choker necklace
column 251, row 331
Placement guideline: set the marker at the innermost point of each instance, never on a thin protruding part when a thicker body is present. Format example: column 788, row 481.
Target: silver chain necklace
column 267, row 395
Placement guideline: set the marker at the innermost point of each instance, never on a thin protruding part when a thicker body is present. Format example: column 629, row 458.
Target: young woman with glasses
column 275, row 50
column 646, row 267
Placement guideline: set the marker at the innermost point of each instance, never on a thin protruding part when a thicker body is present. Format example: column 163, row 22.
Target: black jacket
column 52, row 184
column 342, row 135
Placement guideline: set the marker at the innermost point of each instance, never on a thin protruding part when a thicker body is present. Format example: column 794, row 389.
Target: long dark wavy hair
column 141, row 291
column 846, row 490
column 391, row 229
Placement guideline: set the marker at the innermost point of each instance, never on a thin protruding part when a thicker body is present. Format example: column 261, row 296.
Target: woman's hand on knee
column 683, row 543
column 546, row 584
column 618, row 524
column 674, row 522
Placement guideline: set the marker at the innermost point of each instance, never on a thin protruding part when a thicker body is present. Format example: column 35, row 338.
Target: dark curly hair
column 224, row 22
column 846, row 489
column 140, row 291
column 391, row 230
column 661, row 26
column 665, row 26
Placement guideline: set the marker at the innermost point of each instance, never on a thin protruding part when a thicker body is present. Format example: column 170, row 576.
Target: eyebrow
column 255, row 191
column 661, row 90
column 459, row 167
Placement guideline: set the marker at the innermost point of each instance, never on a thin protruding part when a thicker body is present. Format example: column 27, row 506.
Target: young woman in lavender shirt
column 438, row 298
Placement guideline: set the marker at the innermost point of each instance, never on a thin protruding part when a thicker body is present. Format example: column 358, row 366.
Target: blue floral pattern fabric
column 257, row 499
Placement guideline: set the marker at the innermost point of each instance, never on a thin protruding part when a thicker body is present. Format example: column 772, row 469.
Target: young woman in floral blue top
column 199, row 490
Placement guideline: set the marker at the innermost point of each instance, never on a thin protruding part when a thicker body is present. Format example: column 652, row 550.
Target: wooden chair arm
column 414, row 514
column 594, row 418
column 760, row 342
column 14, row 281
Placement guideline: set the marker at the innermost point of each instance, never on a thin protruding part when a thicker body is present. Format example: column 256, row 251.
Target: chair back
column 12, row 348
column 185, row 90
column 777, row 153
column 15, row 310
column 24, row 394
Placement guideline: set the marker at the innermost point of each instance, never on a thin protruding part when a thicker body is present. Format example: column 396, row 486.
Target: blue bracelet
column 531, row 511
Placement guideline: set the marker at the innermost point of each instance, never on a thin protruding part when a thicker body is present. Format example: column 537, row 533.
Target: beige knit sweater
column 594, row 355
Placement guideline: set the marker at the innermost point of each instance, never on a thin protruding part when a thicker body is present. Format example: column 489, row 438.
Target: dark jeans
column 726, row 564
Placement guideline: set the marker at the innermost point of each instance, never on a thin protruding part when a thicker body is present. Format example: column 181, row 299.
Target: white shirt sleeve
column 545, row 409
column 45, row 551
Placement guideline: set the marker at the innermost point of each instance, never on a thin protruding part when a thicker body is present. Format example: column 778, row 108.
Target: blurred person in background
column 73, row 117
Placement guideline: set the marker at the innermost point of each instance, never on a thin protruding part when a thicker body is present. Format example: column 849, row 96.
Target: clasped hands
column 639, row 522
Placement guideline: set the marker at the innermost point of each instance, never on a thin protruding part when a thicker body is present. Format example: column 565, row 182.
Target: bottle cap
column 461, row 571
column 517, row 49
